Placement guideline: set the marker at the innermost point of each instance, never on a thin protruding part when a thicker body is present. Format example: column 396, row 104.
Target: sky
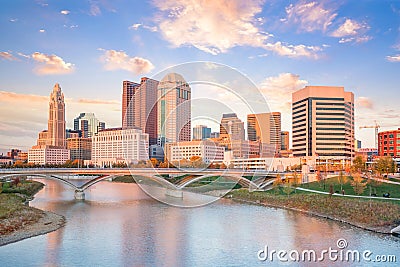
column 89, row 47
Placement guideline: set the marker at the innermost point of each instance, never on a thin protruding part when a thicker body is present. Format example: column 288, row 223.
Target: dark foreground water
column 119, row 225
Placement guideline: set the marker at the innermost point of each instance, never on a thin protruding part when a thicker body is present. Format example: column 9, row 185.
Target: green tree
column 342, row 179
column 359, row 164
column 385, row 165
column 196, row 161
column 318, row 177
column 154, row 162
column 277, row 183
column 287, row 188
column 358, row 183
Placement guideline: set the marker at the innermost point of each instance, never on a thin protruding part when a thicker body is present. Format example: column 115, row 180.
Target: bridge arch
column 160, row 181
column 236, row 178
column 49, row 176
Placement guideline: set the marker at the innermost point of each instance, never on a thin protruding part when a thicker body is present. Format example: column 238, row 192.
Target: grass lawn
column 371, row 214
column 124, row 179
column 13, row 213
column 25, row 187
column 372, row 186
column 9, row 203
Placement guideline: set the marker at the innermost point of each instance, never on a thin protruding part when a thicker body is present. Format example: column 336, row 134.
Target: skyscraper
column 88, row 124
column 56, row 122
column 145, row 108
column 174, row 109
column 284, row 140
column 266, row 128
column 231, row 127
column 323, row 122
column 128, row 99
column 201, row 132
column 51, row 144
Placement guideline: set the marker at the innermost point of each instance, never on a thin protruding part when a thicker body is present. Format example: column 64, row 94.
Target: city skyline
column 279, row 46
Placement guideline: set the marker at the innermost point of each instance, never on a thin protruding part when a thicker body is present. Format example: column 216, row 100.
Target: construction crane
column 376, row 126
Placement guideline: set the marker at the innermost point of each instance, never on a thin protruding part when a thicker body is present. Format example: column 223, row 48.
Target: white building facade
column 117, row 145
column 48, row 155
column 208, row 151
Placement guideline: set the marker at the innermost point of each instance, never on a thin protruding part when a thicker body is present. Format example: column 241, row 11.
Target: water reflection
column 119, row 225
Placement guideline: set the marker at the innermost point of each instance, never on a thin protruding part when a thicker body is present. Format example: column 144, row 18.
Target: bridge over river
column 252, row 179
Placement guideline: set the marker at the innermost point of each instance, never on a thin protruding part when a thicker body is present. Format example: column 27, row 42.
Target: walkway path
column 383, row 180
column 336, row 194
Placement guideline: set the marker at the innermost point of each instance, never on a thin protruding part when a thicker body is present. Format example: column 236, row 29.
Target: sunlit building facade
column 48, row 155
column 51, row 147
column 265, row 128
column 88, row 124
column 128, row 107
column 389, row 143
column 323, row 123
column 174, row 109
column 56, row 122
column 231, row 127
column 115, row 145
column 207, row 150
column 80, row 148
column 145, row 108
column 284, row 140
column 201, row 132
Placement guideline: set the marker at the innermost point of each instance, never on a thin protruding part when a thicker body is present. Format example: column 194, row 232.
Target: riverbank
column 19, row 221
column 376, row 216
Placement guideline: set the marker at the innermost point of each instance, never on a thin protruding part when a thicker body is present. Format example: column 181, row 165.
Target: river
column 119, row 225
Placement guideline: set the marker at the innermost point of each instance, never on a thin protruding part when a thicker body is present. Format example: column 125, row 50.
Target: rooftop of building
column 118, row 129
column 229, row 115
column 389, row 131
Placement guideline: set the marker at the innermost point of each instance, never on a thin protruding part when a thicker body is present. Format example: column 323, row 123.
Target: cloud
column 150, row 28
column 11, row 97
column 260, row 55
column 42, row 3
column 395, row 58
column 94, row 8
column 364, row 102
column 97, row 101
column 278, row 89
column 115, row 60
column 51, row 64
column 349, row 28
column 217, row 26
column 294, row 51
column 310, row 16
column 20, row 126
column 360, row 39
column 23, row 55
column 7, row 56
column 211, row 26
column 65, row 12
column 136, row 26
column 352, row 31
